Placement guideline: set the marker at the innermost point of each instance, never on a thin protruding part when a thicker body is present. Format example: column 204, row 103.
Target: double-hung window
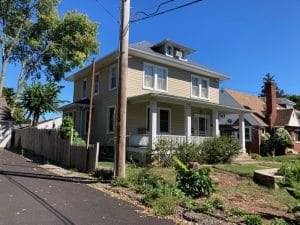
column 200, row 87
column 155, row 77
column 111, row 119
column 96, row 84
column 113, row 78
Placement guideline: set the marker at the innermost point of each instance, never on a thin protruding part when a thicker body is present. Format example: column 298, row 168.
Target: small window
column 83, row 89
column 87, row 116
column 298, row 136
column 248, row 134
column 111, row 119
column 200, row 87
column 113, row 78
column 169, row 51
column 96, row 84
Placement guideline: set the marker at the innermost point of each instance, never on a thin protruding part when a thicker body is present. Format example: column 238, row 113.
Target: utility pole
column 120, row 159
column 91, row 105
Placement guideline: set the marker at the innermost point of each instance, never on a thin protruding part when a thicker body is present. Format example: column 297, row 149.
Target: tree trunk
column 3, row 74
column 19, row 87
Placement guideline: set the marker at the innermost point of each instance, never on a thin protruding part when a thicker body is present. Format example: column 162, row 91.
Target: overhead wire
column 157, row 13
column 107, row 11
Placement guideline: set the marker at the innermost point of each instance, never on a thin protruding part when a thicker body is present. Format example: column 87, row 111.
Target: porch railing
column 142, row 140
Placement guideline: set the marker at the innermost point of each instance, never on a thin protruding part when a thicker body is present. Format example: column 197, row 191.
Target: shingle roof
column 146, row 47
column 283, row 117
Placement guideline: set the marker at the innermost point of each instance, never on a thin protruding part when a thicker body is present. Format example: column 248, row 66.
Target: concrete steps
column 243, row 158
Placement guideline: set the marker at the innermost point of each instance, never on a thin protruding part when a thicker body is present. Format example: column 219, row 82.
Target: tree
column 9, row 95
column 296, row 99
column 33, row 36
column 39, row 99
column 270, row 78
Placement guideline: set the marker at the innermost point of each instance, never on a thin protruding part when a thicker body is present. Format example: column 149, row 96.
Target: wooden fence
column 50, row 145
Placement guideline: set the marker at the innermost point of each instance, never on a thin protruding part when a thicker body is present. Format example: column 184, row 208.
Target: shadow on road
column 49, row 177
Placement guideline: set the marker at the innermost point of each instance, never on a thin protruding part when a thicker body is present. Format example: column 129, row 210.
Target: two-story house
column 169, row 97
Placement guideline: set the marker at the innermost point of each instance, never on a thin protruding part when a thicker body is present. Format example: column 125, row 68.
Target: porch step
column 243, row 158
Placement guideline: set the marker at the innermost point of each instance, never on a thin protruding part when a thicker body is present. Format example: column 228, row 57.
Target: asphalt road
column 30, row 195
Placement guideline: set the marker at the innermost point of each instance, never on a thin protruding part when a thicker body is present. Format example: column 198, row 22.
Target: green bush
column 218, row 203
column 66, row 130
column 237, row 212
column 219, row 149
column 188, row 152
column 255, row 156
column 165, row 204
column 196, row 183
column 164, row 150
column 253, row 220
column 278, row 222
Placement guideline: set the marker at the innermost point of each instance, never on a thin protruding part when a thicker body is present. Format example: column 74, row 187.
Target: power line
column 156, row 13
column 157, row 8
column 107, row 11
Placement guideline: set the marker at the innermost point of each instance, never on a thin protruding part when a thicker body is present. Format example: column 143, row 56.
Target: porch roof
column 84, row 103
column 192, row 101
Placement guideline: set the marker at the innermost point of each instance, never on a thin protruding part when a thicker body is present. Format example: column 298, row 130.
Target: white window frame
column 98, row 84
column 196, row 124
column 172, row 51
column 158, row 120
column 107, row 119
column 155, row 67
column 84, row 95
column 236, row 134
column 110, row 77
column 200, row 87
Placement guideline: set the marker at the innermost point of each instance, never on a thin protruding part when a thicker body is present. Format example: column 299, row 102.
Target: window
column 200, row 87
column 298, row 136
column 169, row 51
column 87, row 115
column 201, row 126
column 111, row 119
column 83, row 89
column 113, row 78
column 164, row 116
column 248, row 134
column 155, row 78
column 96, row 84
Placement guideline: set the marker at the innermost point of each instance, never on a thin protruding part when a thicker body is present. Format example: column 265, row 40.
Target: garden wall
column 51, row 146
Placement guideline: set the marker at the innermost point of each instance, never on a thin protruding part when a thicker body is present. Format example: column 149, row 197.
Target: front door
column 201, row 125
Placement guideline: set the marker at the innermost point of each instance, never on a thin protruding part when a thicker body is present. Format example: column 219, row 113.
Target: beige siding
column 179, row 81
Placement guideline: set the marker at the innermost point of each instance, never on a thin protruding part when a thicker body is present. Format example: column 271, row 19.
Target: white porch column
column 242, row 132
column 216, row 125
column 187, row 121
column 153, row 123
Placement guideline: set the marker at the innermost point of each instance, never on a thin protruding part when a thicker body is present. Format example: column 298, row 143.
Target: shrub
column 218, row 203
column 196, row 183
column 219, row 149
column 164, row 150
column 238, row 212
column 253, row 220
column 278, row 222
column 206, row 206
column 165, row 204
column 121, row 182
column 255, row 156
column 66, row 130
column 188, row 152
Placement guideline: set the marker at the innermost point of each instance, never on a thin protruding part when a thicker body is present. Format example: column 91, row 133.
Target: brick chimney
column 271, row 106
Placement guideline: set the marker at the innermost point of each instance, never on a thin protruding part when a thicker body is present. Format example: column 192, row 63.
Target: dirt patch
column 240, row 192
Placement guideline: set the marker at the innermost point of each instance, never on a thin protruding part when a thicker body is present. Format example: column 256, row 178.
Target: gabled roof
column 144, row 49
column 283, row 117
column 251, row 102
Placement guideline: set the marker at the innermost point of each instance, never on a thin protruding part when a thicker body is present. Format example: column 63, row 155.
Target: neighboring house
column 53, row 123
column 268, row 113
column 168, row 97
column 5, row 124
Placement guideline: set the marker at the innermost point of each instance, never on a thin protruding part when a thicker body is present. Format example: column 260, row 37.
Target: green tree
column 39, row 99
column 33, row 36
column 296, row 99
column 270, row 78
column 18, row 117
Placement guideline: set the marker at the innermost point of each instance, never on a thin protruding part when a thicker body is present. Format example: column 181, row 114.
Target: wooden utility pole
column 91, row 105
column 120, row 152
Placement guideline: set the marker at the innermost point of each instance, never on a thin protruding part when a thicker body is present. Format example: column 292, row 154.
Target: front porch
column 155, row 117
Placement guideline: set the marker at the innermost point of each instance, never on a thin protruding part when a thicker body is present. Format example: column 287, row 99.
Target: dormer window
column 169, row 51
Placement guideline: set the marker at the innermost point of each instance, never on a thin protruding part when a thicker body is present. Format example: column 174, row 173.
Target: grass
column 283, row 158
column 246, row 170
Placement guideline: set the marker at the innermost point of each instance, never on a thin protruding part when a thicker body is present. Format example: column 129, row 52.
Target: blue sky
column 243, row 39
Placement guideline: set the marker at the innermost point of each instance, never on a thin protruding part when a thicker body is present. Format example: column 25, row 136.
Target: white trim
column 207, row 124
column 97, row 93
column 155, row 67
column 236, row 133
column 200, row 78
column 169, row 120
column 110, row 76
column 81, row 92
column 107, row 119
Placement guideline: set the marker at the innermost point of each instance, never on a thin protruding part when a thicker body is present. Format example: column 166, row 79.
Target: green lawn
column 283, row 158
column 246, row 170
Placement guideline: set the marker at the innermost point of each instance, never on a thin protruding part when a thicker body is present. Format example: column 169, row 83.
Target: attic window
column 169, row 51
